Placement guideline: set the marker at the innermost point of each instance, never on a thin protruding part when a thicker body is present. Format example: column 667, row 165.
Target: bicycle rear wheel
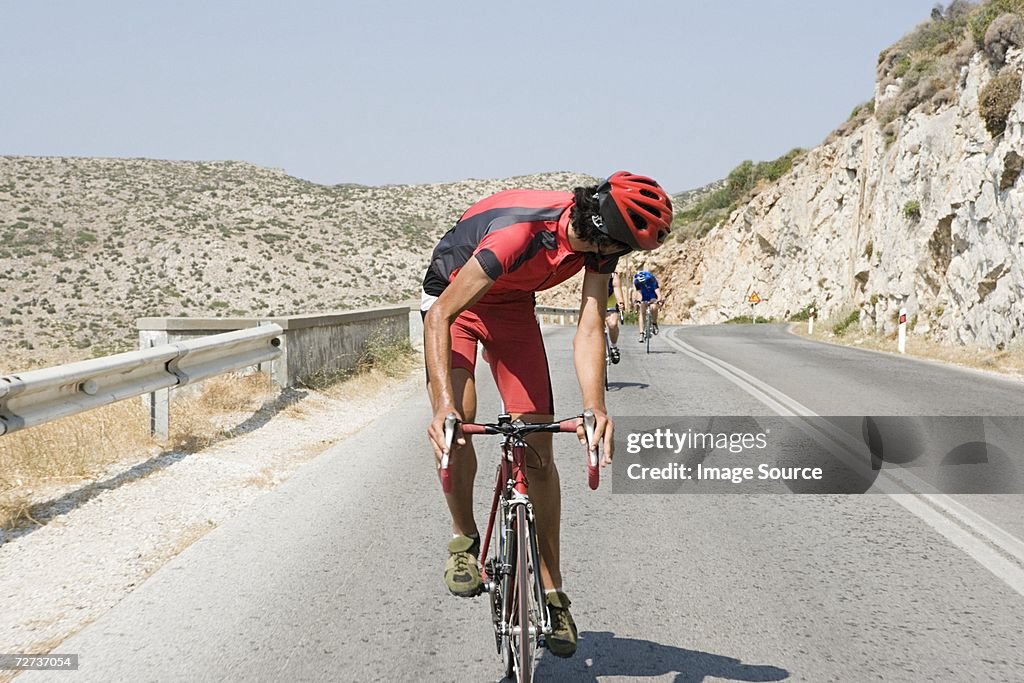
column 503, row 595
column 648, row 329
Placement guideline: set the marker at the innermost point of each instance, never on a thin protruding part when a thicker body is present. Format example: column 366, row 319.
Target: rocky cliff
column 924, row 211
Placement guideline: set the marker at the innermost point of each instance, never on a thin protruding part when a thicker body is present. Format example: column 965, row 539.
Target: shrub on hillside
column 982, row 19
column 1005, row 32
column 997, row 98
column 912, row 210
column 928, row 61
column 741, row 181
column 840, row 328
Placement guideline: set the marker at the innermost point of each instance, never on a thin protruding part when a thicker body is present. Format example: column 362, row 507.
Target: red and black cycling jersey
column 520, row 239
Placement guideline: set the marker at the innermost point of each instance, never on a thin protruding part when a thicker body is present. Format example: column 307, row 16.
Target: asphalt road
column 336, row 575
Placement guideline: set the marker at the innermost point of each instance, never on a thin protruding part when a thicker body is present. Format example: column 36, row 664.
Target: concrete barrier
column 552, row 315
column 312, row 345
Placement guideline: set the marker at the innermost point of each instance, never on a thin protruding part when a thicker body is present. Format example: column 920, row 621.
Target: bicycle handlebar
column 522, row 429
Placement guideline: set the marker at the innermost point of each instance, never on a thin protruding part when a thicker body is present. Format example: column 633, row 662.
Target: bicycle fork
column 506, row 568
column 508, row 500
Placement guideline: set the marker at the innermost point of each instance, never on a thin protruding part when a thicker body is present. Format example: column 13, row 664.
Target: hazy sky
column 421, row 91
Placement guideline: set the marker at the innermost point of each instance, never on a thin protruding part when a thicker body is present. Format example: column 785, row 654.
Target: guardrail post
column 160, row 414
column 277, row 368
column 158, row 403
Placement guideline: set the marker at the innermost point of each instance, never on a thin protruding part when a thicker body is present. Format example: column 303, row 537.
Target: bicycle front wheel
column 525, row 607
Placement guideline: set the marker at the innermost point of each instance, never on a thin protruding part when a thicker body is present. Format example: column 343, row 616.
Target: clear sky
column 418, row 91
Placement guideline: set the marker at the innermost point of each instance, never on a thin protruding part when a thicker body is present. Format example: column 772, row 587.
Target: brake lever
column 593, row 471
column 450, row 421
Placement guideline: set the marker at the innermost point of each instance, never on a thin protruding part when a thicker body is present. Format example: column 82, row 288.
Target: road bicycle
column 648, row 330
column 511, row 574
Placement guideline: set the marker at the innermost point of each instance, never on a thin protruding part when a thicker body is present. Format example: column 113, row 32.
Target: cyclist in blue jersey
column 613, row 311
column 647, row 287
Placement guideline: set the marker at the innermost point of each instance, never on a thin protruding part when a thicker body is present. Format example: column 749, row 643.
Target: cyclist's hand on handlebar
column 604, row 429
column 435, row 432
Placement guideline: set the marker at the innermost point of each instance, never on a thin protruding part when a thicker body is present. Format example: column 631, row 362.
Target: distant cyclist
column 479, row 288
column 647, row 287
column 613, row 313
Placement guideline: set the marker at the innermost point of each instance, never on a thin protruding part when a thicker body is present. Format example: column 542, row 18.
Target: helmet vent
column 649, row 208
column 637, row 220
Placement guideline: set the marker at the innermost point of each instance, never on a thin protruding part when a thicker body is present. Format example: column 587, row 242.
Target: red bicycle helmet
column 635, row 210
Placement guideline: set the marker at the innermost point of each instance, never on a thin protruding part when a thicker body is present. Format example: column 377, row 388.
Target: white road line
column 982, row 540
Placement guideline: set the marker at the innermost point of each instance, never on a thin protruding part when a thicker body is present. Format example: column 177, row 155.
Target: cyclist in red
column 480, row 287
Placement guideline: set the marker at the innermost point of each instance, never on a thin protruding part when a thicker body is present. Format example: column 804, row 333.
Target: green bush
column 703, row 216
column 997, row 98
column 803, row 315
column 912, row 210
column 862, row 108
column 983, row 17
column 840, row 328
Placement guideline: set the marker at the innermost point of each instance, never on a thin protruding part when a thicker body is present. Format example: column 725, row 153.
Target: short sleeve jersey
column 648, row 287
column 520, row 239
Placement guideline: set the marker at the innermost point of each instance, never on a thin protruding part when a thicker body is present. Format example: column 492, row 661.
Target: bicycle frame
column 512, row 577
column 511, row 486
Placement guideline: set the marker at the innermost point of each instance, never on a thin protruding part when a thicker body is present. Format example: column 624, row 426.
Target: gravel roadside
column 103, row 540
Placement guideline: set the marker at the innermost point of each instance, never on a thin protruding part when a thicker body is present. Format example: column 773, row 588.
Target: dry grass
column 1007, row 362
column 64, row 451
column 38, row 461
column 215, row 411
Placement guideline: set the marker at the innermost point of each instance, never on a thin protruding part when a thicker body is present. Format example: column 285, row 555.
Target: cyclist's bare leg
column 463, row 462
column 642, row 317
column 654, row 312
column 546, row 497
column 612, row 320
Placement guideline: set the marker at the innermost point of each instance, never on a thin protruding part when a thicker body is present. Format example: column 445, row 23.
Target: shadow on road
column 601, row 653
column 617, row 386
column 43, row 513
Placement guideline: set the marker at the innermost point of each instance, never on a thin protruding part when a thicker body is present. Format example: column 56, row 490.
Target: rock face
column 930, row 218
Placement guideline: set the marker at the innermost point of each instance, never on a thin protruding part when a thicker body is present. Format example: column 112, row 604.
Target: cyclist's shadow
column 600, row 653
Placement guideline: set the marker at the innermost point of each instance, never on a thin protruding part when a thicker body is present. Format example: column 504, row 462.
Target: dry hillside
column 89, row 245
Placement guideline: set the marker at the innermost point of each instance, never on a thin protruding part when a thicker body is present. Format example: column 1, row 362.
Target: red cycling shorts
column 515, row 351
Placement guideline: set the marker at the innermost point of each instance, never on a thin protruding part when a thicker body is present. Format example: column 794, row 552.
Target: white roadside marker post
column 810, row 321
column 902, row 337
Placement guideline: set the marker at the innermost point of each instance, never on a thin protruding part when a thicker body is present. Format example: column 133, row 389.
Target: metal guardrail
column 37, row 396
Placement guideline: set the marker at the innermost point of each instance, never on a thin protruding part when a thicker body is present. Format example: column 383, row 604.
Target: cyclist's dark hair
column 585, row 207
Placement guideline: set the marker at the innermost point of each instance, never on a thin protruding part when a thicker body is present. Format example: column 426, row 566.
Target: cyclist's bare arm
column 588, row 355
column 465, row 290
